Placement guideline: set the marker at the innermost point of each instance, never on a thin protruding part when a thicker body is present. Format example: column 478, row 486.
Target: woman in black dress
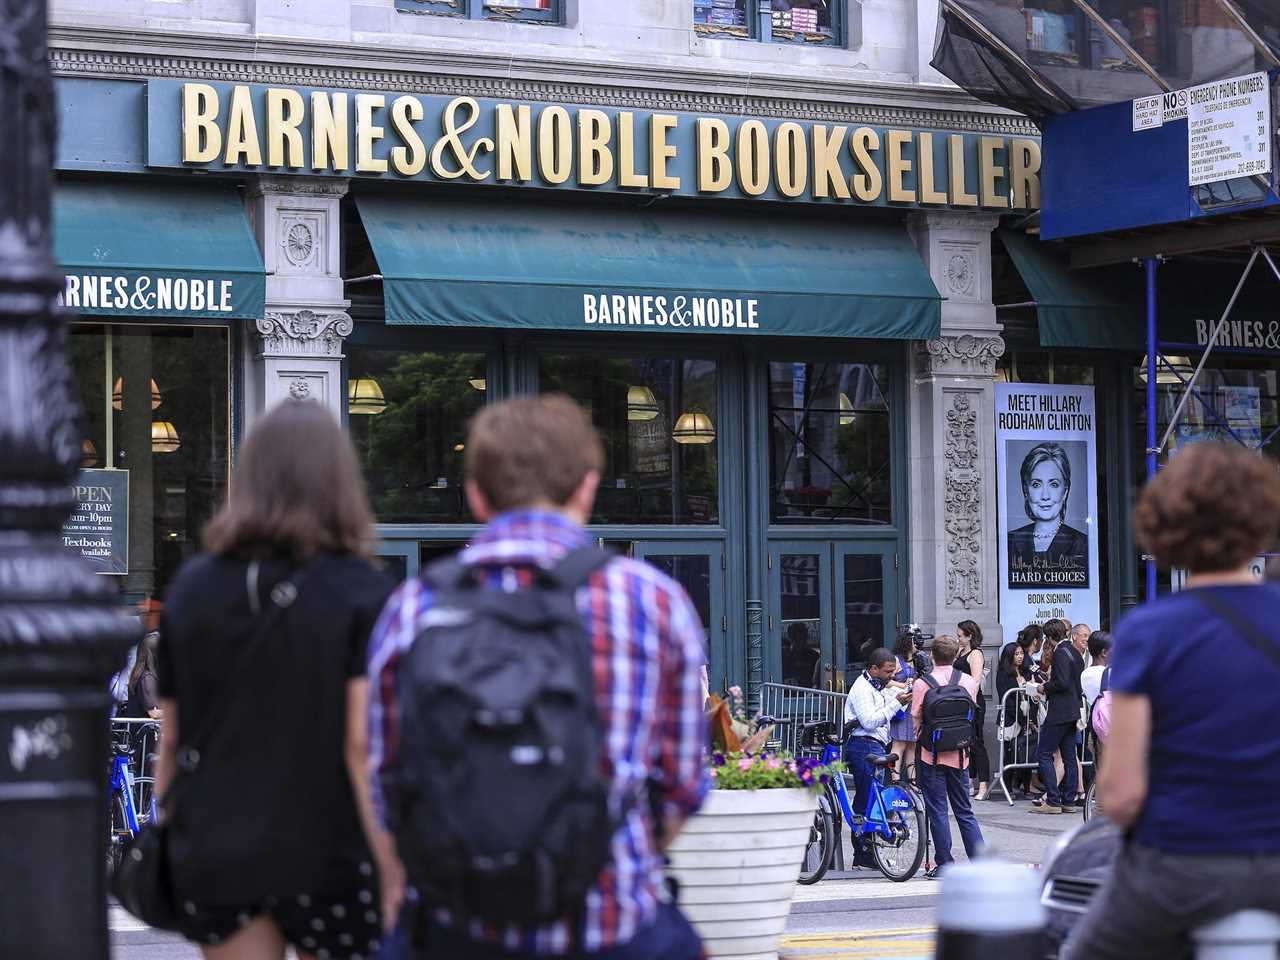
column 973, row 662
column 262, row 659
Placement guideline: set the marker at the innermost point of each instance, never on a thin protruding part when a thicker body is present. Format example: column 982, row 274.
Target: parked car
column 1073, row 870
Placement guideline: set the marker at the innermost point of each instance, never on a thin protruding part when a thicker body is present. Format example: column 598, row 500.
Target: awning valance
column 153, row 250
column 526, row 266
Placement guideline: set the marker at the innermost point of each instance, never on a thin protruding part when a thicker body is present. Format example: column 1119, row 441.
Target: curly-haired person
column 1183, row 751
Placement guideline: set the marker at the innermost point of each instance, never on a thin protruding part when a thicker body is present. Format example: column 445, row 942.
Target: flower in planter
column 769, row 771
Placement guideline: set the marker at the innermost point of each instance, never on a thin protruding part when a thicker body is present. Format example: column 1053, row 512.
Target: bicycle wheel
column 1091, row 808
column 117, row 834
column 822, row 837
column 900, row 858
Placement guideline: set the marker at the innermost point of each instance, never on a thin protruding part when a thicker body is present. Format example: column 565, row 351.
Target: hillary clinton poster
column 1048, row 505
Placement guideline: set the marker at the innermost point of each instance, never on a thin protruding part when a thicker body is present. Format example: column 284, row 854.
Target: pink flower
column 773, row 763
column 714, row 774
column 746, row 763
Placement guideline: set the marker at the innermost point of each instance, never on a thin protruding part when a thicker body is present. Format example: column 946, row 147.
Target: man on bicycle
column 871, row 704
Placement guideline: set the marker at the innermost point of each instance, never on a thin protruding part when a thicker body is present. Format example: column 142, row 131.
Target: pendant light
column 694, row 427
column 847, row 415
column 164, row 437
column 88, row 454
column 478, row 383
column 364, row 397
column 641, row 404
column 117, row 395
column 1169, row 370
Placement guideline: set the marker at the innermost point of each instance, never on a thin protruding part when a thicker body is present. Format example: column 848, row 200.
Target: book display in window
column 804, row 21
column 721, row 17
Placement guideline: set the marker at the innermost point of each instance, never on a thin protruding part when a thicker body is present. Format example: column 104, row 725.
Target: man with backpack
column 536, row 726
column 943, row 704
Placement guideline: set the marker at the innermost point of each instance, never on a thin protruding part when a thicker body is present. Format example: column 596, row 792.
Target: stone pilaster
column 952, row 433
column 298, row 342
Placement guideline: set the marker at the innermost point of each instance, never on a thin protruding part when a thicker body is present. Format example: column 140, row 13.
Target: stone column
column 952, row 476
column 298, row 343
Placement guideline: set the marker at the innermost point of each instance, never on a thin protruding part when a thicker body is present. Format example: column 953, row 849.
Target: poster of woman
column 1048, row 507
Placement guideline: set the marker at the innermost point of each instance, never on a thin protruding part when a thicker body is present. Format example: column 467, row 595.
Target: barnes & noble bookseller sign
column 255, row 128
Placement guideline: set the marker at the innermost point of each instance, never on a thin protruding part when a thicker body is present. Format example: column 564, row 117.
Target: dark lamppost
column 61, row 630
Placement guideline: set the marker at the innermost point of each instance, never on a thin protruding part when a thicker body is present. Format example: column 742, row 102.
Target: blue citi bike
column 132, row 797
column 893, row 823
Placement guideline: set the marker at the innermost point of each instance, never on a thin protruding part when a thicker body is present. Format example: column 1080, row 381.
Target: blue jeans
column 1058, row 738
column 669, row 937
column 855, row 752
column 940, row 786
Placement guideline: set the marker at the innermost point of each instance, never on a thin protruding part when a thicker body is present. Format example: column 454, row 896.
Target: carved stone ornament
column 304, row 333
column 960, row 273
column 966, row 355
column 962, row 501
column 299, row 389
column 298, row 243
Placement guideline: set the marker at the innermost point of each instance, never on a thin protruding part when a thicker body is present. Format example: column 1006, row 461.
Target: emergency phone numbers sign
column 1229, row 129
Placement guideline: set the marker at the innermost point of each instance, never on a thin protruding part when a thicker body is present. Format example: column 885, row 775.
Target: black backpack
column 498, row 804
column 947, row 715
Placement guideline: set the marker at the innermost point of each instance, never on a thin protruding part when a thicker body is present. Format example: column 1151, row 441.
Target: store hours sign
column 98, row 528
column 1046, row 460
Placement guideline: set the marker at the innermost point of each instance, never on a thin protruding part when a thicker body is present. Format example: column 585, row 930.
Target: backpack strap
column 577, row 566
column 1247, row 630
column 928, row 679
column 447, row 573
column 1105, row 685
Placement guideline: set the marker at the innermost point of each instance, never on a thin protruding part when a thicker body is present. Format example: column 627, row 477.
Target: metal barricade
column 796, row 706
column 1021, row 746
column 143, row 736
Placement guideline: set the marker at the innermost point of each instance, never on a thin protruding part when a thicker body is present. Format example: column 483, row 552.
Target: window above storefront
column 808, row 22
column 535, row 11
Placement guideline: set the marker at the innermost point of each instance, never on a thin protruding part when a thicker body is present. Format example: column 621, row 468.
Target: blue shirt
column 1215, row 711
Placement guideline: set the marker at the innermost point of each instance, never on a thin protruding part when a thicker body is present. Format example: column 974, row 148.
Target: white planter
column 737, row 861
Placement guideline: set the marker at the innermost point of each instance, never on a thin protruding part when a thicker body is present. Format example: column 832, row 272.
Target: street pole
column 62, row 632
column 1153, row 349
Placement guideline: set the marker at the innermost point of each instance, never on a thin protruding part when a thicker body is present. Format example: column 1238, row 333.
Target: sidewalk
column 1012, row 833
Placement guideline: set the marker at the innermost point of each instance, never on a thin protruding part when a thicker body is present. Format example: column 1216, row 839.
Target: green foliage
column 770, row 771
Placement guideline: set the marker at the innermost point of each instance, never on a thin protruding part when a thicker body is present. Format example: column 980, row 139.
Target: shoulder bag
column 1249, row 632
column 142, row 882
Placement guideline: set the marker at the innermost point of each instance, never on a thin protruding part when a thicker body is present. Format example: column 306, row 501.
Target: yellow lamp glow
column 694, row 427
column 164, row 437
column 847, row 414
column 364, row 397
column 641, row 404
column 1166, row 376
column 117, row 395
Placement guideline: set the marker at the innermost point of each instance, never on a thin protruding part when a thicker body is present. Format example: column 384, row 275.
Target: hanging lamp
column 364, row 397
column 641, row 404
column 164, row 437
column 1173, row 370
column 117, row 395
column 478, row 383
column 847, row 414
column 694, row 427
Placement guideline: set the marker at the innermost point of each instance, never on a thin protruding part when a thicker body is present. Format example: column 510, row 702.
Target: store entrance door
column 831, row 603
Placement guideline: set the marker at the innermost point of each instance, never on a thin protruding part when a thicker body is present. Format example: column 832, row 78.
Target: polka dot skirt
column 348, row 928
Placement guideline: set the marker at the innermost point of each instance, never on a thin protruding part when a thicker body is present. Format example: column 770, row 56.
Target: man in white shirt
column 871, row 704
column 1099, row 657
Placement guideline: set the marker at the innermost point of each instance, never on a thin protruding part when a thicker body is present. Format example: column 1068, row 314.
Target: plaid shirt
column 647, row 651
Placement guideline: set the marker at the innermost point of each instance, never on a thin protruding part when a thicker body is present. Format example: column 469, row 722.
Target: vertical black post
column 61, row 630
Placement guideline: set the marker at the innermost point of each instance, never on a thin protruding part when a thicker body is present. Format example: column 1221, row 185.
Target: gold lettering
column 714, row 172
column 897, row 166
column 595, row 161
column 330, row 137
column 791, row 159
column 515, row 142
column 924, row 157
column 627, row 176
column 284, row 116
column 368, row 133
column 201, row 136
column 868, row 184
column 753, row 158
column 827, row 175
column 661, row 152
column 960, row 196
column 1024, row 173
column 242, row 130
column 409, row 160
column 990, row 173
column 555, row 145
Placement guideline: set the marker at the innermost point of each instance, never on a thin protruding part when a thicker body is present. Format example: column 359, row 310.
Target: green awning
column 1076, row 308
column 143, row 249
column 526, row 266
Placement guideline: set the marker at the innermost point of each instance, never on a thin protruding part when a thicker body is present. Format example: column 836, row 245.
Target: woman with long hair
column 1013, row 717
column 262, row 682
column 902, row 730
column 143, row 701
column 972, row 661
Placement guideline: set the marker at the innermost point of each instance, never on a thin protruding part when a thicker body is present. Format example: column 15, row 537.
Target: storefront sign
column 98, row 529
column 1048, row 508
column 1242, row 334
column 254, row 128
column 1229, row 129
column 703, row 313
column 138, row 294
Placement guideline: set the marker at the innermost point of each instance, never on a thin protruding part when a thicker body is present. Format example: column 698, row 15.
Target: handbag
column 142, row 883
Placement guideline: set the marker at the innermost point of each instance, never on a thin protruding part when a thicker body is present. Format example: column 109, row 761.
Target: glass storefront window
column 658, row 419
column 829, row 443
column 407, row 413
column 156, row 405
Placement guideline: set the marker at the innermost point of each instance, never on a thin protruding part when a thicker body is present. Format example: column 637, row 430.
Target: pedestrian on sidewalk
column 944, row 778
column 261, row 677
column 624, row 720
column 973, row 661
column 1099, row 658
column 902, row 731
column 1178, row 748
column 1015, row 720
column 869, row 709
column 1061, row 722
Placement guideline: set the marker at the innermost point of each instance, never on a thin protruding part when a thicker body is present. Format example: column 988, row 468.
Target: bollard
column 1245, row 935
column 988, row 908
